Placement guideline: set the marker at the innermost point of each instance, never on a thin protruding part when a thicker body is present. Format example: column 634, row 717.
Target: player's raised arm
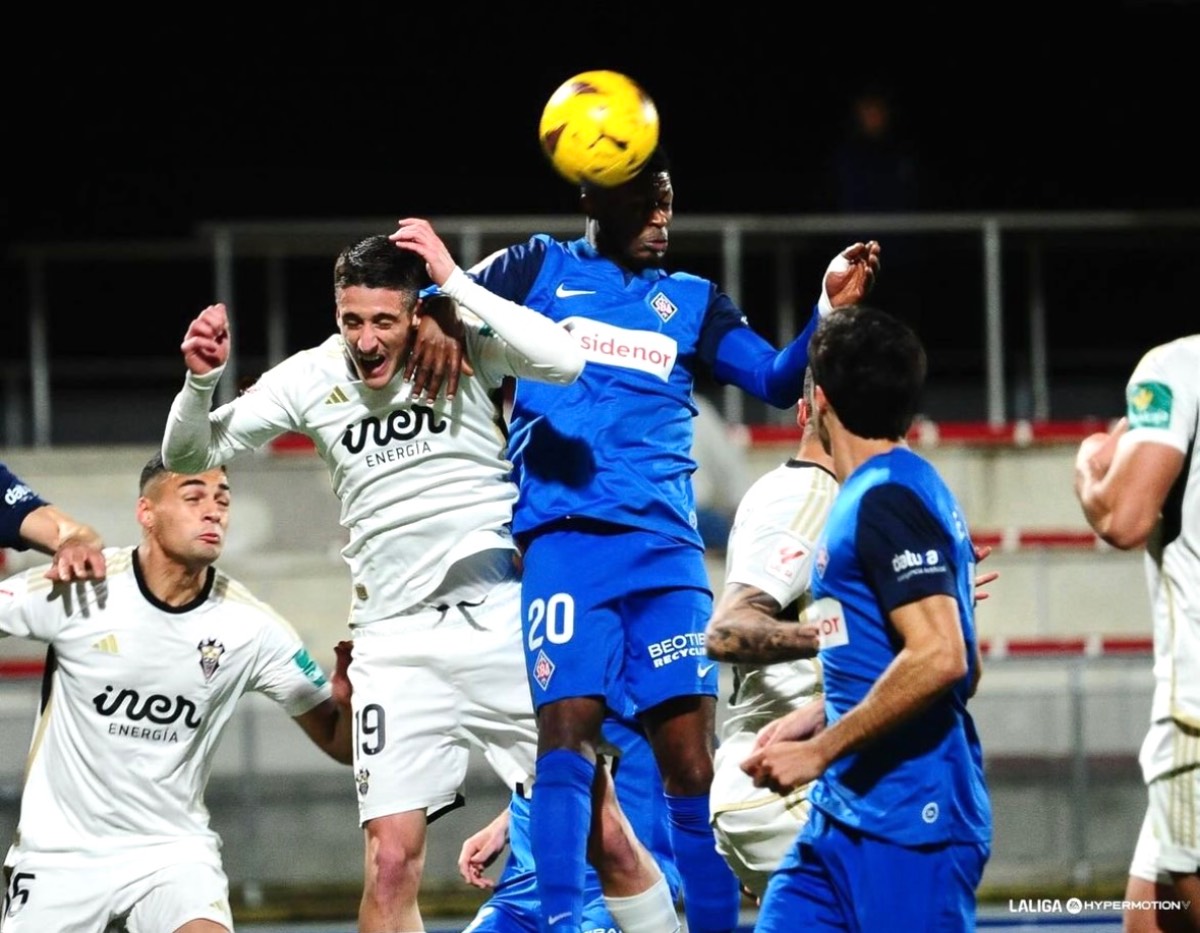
column 745, row 359
column 551, row 353
column 196, row 438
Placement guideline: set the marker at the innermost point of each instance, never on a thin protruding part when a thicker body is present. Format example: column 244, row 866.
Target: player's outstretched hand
column 802, row 723
column 77, row 560
column 784, row 766
column 480, row 850
column 983, row 579
column 417, row 235
column 206, row 343
column 436, row 357
column 339, row 680
column 850, row 276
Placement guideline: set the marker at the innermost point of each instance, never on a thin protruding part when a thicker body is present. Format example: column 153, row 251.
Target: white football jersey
column 422, row 486
column 140, row 696
column 1163, row 406
column 771, row 547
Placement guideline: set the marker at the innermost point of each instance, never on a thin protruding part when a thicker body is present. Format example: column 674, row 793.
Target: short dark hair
column 871, row 367
column 376, row 262
column 154, row 468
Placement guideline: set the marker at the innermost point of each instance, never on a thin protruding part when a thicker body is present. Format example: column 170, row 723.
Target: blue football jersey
column 896, row 535
column 16, row 501
column 615, row 446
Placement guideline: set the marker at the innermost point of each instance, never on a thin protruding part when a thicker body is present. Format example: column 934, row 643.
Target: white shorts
column 1145, row 856
column 429, row 686
column 754, row 828
column 1174, row 818
column 76, row 893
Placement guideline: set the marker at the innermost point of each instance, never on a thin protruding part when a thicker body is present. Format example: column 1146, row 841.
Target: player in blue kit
column 29, row 521
column 615, row 591
column 514, row 906
column 900, row 828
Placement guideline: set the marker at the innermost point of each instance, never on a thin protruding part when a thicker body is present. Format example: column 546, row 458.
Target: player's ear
column 145, row 513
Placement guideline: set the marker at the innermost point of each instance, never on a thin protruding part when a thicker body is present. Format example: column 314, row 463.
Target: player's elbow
column 947, row 666
column 719, row 641
column 1128, row 534
column 570, row 365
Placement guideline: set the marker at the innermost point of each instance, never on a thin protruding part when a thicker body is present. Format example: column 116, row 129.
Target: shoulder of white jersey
column 118, row 560
column 1179, row 357
column 798, row 497
column 235, row 593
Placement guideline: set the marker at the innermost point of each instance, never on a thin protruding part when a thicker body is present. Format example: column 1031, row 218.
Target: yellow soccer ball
column 599, row 127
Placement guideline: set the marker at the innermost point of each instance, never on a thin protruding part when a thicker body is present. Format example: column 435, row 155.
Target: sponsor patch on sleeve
column 1148, row 405
column 785, row 560
column 310, row 668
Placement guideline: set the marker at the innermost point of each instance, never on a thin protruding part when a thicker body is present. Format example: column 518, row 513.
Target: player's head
column 869, row 368
column 629, row 222
column 183, row 517
column 376, row 287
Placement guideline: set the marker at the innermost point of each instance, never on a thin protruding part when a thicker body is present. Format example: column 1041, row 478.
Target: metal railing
column 726, row 243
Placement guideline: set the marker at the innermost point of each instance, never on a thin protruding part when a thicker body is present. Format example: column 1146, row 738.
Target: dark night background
column 149, row 127
column 122, row 127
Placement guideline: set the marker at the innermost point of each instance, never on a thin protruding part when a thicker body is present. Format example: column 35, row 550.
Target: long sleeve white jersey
column 421, row 486
column 771, row 547
column 141, row 694
column 1163, row 406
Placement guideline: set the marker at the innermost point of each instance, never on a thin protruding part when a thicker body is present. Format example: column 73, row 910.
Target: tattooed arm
column 744, row 627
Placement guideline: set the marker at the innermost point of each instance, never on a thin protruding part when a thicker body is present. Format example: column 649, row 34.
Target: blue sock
column 711, row 894
column 561, row 814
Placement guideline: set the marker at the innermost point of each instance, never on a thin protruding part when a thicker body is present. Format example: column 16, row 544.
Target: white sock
column 652, row 911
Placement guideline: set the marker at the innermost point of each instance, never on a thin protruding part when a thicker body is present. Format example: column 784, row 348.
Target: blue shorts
column 516, row 908
column 836, row 878
column 616, row 613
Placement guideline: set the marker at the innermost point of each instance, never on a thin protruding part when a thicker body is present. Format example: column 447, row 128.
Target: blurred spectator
column 874, row 166
column 875, row 170
column 722, row 473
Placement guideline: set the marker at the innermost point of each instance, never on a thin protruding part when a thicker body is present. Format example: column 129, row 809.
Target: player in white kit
column 767, row 568
column 149, row 666
column 427, row 498
column 1140, row 487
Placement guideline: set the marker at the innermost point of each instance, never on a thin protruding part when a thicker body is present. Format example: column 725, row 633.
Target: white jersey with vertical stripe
column 421, row 486
column 771, row 547
column 1163, row 407
column 141, row 693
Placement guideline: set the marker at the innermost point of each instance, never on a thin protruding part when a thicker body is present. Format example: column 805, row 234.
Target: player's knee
column 689, row 776
column 394, row 867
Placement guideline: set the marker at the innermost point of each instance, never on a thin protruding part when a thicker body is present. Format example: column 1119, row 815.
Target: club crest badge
column 543, row 670
column 362, row 778
column 210, row 656
column 663, row 307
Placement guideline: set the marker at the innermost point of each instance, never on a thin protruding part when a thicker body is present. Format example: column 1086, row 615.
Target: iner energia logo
column 403, row 424
column 155, row 708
